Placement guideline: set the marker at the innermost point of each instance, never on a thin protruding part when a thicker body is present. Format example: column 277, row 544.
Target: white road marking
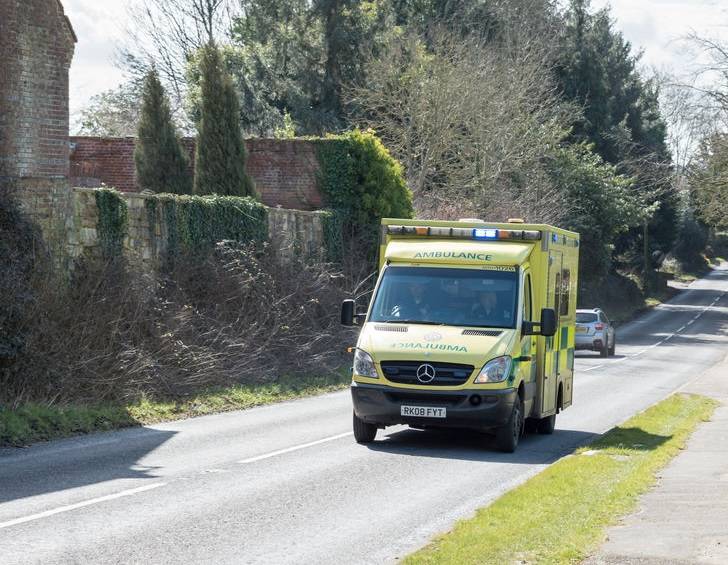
column 294, row 448
column 92, row 501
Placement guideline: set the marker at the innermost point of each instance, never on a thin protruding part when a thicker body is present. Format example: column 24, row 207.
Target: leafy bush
column 360, row 179
column 692, row 241
column 362, row 183
column 601, row 205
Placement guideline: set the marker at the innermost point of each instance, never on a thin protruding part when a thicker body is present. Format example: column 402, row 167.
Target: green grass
column 31, row 423
column 560, row 515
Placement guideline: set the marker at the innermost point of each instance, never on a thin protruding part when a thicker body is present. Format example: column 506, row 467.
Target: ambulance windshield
column 445, row 296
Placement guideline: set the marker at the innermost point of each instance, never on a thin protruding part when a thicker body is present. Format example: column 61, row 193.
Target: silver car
column 595, row 332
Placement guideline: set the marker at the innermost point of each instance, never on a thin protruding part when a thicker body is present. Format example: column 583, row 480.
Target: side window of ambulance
column 557, row 294
column 527, row 308
column 564, row 290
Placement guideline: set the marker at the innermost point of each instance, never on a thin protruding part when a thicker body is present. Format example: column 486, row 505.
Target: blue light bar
column 485, row 234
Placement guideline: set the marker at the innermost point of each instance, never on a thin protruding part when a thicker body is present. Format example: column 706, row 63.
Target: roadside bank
column 682, row 520
column 560, row 515
column 30, row 423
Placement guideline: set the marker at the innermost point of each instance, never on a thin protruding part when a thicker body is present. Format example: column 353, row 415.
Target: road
column 287, row 483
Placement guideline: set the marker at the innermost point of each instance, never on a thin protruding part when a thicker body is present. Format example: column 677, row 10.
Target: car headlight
column 495, row 371
column 364, row 365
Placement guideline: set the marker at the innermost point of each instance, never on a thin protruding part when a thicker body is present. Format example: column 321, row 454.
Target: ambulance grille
column 401, row 329
column 446, row 374
column 485, row 333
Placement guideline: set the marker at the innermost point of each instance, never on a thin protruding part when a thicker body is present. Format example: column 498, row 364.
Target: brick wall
column 36, row 48
column 285, row 171
column 37, row 44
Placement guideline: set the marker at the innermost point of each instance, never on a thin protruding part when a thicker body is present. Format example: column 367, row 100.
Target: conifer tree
column 220, row 154
column 161, row 161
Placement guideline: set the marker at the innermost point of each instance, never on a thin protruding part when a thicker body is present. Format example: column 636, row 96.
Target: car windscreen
column 585, row 317
column 453, row 297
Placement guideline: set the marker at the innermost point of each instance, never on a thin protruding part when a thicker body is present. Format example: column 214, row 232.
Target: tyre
column 604, row 351
column 547, row 425
column 506, row 437
column 613, row 347
column 364, row 432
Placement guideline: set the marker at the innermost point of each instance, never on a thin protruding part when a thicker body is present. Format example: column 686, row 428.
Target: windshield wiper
column 425, row 322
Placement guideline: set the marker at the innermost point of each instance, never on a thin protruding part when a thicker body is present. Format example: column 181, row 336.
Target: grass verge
column 31, row 423
column 560, row 515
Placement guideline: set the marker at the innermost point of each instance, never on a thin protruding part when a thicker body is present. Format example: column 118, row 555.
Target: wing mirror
column 548, row 322
column 547, row 326
column 349, row 315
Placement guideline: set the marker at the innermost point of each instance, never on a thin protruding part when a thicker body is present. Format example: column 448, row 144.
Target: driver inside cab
column 488, row 312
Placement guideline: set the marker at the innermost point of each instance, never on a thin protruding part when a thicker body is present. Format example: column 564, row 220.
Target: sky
column 99, row 26
column 654, row 26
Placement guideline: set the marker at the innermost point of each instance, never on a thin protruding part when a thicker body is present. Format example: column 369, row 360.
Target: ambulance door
column 529, row 349
column 552, row 345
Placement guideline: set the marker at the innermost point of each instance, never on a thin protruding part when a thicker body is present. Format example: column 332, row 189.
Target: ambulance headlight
column 364, row 365
column 495, row 371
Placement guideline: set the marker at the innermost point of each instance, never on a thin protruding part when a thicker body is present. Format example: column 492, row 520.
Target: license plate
column 581, row 329
column 424, row 412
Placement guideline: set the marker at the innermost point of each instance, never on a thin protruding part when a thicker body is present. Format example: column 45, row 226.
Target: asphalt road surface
column 287, row 483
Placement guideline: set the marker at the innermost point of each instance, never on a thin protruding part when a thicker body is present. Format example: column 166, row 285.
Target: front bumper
column 472, row 408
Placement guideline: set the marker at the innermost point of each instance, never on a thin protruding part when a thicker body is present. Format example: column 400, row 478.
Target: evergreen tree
column 161, row 162
column 220, row 155
column 621, row 114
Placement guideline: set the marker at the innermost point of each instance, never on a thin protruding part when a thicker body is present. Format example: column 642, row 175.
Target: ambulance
column 470, row 325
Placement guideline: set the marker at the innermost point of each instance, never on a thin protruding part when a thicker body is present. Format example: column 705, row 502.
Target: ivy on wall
column 362, row 183
column 333, row 234
column 195, row 223
column 112, row 222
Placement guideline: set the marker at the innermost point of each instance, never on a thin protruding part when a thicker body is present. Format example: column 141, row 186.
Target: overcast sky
column 651, row 25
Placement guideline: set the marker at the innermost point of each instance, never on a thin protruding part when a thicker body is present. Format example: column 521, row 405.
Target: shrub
column 601, row 205
column 362, row 183
column 361, row 180
column 692, row 241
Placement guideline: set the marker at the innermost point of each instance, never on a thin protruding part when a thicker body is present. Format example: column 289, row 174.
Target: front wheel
column 506, row 437
column 364, row 432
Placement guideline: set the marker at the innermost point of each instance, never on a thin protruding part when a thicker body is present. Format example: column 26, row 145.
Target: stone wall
column 285, row 171
column 290, row 231
column 36, row 47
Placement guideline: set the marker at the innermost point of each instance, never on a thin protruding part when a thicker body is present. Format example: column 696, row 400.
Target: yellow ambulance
column 470, row 325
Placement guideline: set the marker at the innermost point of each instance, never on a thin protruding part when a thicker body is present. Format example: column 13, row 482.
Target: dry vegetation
column 237, row 315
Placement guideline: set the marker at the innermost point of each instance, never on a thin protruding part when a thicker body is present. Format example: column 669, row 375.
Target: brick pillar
column 36, row 47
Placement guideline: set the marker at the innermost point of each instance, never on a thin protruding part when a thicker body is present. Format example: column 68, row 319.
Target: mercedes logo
column 426, row 373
